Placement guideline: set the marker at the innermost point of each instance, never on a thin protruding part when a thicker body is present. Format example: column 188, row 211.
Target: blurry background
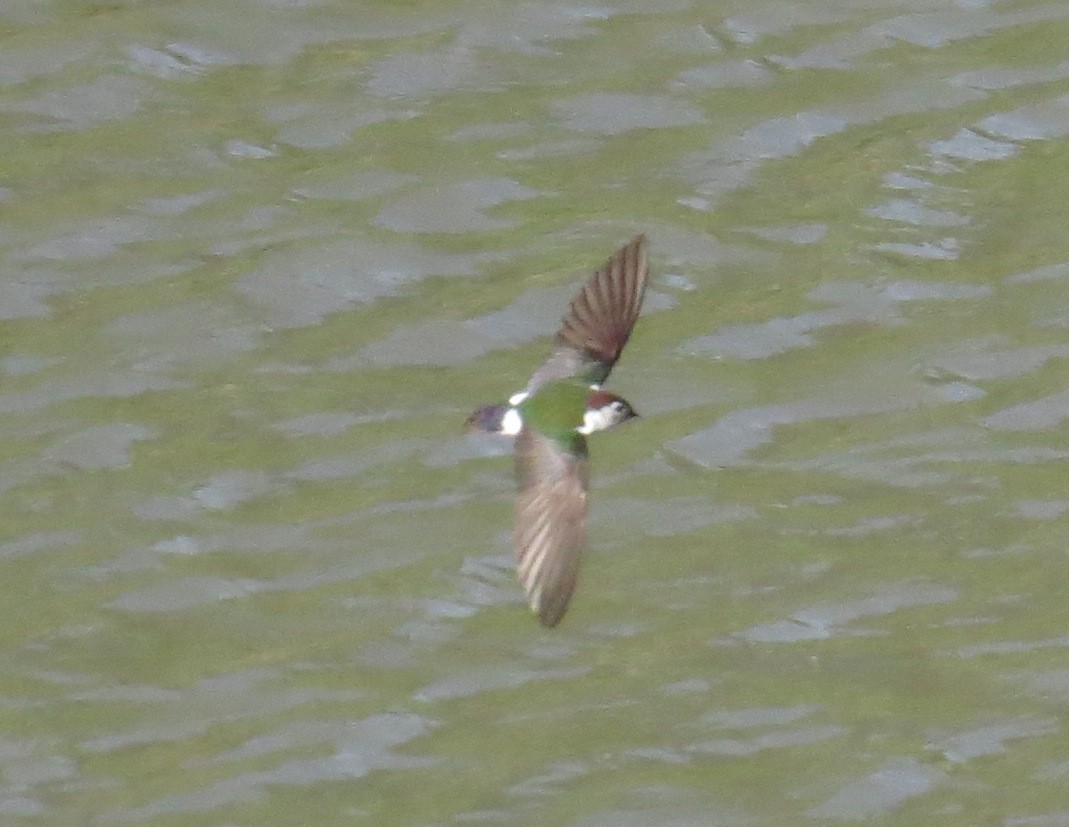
column 260, row 260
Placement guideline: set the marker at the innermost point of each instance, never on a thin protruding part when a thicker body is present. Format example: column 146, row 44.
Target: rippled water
column 262, row 258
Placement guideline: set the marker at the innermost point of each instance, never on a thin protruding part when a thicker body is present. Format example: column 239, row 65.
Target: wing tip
column 550, row 615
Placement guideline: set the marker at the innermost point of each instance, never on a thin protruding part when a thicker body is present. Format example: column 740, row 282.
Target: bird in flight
column 562, row 404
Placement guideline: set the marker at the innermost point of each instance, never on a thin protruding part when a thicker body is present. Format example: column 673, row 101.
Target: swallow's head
column 605, row 410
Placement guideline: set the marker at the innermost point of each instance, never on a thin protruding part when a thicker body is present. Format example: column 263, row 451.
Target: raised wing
column 550, row 527
column 599, row 320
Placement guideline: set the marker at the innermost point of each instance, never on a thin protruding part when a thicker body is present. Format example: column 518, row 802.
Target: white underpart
column 511, row 422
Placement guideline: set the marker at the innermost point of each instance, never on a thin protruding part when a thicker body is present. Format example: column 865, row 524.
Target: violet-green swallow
column 563, row 403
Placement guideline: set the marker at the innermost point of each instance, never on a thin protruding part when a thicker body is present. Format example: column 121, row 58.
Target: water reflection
column 262, row 259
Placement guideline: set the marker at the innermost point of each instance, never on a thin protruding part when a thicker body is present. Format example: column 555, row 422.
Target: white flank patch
column 511, row 422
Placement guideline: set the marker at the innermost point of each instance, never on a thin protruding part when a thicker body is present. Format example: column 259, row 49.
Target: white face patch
column 511, row 422
column 607, row 416
column 518, row 397
column 596, row 420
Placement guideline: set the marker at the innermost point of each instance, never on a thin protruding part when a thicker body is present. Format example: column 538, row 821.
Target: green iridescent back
column 556, row 410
